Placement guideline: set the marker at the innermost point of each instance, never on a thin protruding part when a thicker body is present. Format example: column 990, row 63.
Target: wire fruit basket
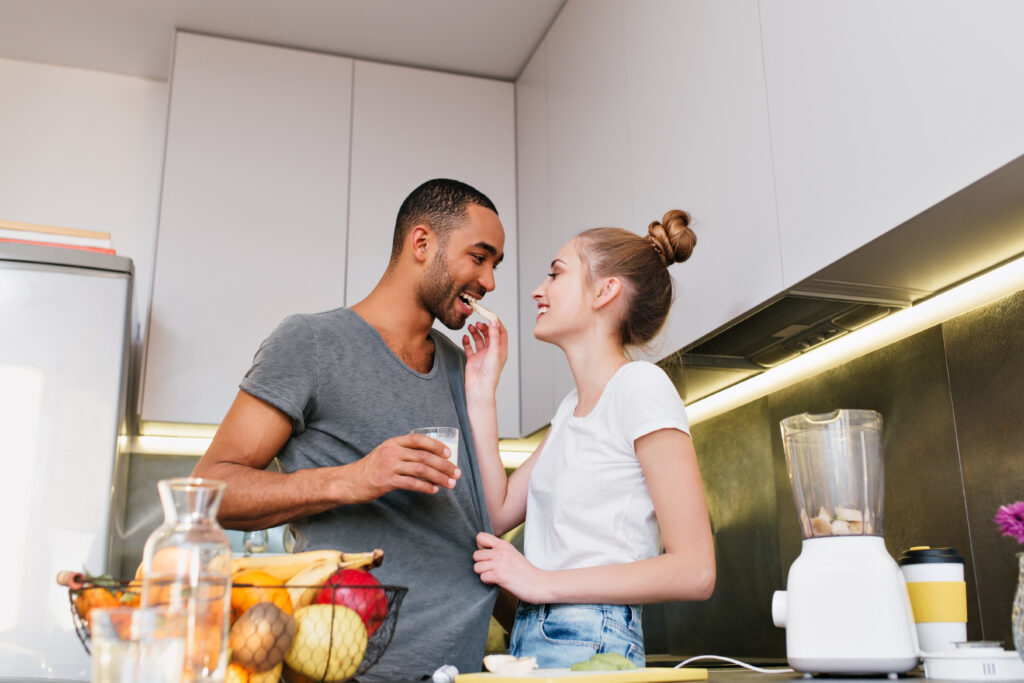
column 342, row 633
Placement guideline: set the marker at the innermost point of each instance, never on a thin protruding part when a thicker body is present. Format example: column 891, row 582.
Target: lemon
column 329, row 644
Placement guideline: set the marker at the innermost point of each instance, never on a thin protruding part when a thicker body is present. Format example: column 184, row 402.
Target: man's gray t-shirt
column 347, row 392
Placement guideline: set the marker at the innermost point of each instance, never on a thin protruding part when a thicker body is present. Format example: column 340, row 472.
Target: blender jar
column 835, row 469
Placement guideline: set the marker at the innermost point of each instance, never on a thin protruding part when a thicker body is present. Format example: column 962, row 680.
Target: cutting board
column 648, row 675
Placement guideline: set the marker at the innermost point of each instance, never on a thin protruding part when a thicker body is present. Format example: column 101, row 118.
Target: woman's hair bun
column 672, row 236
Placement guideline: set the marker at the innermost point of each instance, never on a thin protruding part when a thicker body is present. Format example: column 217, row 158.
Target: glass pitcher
column 186, row 565
column 835, row 468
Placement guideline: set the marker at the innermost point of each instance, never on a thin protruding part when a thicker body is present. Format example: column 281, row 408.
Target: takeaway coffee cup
column 938, row 596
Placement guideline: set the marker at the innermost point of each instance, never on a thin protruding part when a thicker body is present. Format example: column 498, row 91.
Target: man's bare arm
column 252, row 434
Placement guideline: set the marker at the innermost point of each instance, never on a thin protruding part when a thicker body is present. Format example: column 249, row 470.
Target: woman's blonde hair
column 641, row 264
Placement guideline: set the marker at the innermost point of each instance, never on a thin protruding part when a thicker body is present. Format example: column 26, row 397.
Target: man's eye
column 478, row 258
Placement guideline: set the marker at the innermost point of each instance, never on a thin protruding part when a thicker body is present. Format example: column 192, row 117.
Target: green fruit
column 329, row 642
column 604, row 661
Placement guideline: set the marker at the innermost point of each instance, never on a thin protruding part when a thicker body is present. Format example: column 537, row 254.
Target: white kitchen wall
column 84, row 149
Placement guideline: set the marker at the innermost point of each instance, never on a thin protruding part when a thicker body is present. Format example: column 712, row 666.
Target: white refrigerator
column 64, row 340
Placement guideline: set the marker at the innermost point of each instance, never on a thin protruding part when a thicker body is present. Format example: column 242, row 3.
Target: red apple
column 354, row 588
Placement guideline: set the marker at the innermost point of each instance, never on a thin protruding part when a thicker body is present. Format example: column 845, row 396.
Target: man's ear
column 421, row 237
column 607, row 292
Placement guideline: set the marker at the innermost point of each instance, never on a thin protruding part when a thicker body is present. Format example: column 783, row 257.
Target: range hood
column 976, row 229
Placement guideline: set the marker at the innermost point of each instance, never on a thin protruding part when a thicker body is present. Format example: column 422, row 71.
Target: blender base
column 846, row 609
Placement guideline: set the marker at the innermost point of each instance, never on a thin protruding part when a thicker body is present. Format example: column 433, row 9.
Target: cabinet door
column 699, row 141
column 881, row 109
column 411, row 125
column 252, row 217
column 588, row 141
column 537, row 244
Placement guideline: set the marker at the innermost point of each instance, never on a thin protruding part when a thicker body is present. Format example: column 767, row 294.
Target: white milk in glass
column 449, row 436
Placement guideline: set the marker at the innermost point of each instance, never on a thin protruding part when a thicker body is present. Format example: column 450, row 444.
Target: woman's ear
column 607, row 292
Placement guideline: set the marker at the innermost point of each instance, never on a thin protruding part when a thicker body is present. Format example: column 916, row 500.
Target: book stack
column 50, row 236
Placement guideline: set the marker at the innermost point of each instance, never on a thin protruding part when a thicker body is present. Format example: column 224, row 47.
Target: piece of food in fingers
column 491, row 317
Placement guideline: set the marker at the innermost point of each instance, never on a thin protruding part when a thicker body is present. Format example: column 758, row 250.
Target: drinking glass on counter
column 136, row 645
column 254, row 542
column 449, row 436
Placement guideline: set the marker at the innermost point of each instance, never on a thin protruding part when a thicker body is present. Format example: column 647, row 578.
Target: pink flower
column 1010, row 519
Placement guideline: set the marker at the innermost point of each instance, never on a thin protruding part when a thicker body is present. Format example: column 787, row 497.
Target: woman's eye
column 552, row 275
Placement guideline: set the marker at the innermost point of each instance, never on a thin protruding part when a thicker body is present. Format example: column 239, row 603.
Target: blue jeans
column 561, row 635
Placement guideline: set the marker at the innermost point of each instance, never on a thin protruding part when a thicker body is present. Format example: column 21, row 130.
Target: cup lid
column 923, row 554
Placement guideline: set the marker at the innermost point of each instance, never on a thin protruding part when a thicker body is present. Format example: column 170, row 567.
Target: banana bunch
column 304, row 573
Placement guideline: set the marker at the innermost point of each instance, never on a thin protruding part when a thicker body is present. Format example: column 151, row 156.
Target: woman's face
column 562, row 298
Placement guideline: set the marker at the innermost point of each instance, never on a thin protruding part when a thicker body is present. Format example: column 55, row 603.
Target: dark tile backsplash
column 952, row 403
column 985, row 358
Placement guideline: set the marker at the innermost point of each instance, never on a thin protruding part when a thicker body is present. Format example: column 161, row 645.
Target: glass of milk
column 449, row 436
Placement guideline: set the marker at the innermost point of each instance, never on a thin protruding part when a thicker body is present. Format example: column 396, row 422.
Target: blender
column 845, row 608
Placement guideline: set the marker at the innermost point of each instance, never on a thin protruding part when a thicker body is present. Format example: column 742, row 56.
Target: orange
column 236, row 674
column 168, row 564
column 171, row 561
column 91, row 597
column 203, row 645
column 260, row 587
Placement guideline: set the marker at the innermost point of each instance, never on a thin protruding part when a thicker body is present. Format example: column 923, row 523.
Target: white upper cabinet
column 411, row 125
column 880, row 109
column 699, row 141
column 537, row 360
column 252, row 218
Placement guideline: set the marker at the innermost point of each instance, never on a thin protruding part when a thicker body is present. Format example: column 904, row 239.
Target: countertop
column 740, row 675
column 715, row 675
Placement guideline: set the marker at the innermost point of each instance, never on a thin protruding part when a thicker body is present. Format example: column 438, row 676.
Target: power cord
column 733, row 661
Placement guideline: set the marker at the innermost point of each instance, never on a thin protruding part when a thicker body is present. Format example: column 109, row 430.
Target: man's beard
column 438, row 293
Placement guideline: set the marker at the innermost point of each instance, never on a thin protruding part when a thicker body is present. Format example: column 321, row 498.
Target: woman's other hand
column 486, row 354
column 499, row 563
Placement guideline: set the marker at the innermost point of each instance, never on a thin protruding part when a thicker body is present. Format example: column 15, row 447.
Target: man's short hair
column 439, row 203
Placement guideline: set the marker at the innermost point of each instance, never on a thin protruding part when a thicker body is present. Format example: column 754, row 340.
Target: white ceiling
column 491, row 38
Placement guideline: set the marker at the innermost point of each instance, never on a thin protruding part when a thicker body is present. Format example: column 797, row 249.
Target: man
column 334, row 396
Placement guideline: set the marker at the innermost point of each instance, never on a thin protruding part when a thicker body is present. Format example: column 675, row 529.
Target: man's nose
column 488, row 280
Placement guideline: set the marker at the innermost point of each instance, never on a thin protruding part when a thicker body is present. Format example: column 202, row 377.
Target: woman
column 615, row 477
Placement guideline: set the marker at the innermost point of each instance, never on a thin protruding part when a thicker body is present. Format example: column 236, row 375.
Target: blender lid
column 923, row 554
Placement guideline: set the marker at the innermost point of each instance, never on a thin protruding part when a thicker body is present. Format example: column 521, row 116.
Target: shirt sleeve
column 648, row 401
column 284, row 371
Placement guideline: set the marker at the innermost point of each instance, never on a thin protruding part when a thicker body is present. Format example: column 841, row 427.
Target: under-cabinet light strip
column 197, row 445
column 984, row 289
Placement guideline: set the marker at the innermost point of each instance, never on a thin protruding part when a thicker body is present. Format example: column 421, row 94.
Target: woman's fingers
column 486, row 540
column 478, row 337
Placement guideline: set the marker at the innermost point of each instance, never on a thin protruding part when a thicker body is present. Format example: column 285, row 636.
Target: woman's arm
column 686, row 571
column 506, row 496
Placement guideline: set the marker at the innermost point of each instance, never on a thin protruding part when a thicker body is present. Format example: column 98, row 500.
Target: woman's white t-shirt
column 587, row 502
